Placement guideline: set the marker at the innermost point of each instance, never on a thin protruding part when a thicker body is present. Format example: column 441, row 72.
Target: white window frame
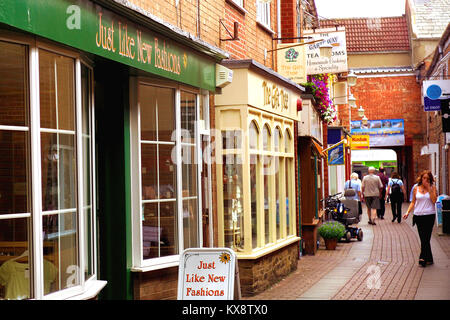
column 240, row 3
column 139, row 263
column 263, row 13
column 87, row 288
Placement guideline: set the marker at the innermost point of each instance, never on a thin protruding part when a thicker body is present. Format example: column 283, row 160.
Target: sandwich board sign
column 206, row 274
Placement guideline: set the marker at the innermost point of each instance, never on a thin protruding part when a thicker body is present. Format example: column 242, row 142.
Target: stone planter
column 330, row 244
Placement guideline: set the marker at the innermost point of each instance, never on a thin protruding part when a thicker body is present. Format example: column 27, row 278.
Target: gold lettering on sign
column 144, row 50
column 126, row 43
column 278, row 98
column 105, row 36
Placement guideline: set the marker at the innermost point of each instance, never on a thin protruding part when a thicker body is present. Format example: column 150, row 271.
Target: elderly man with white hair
column 372, row 188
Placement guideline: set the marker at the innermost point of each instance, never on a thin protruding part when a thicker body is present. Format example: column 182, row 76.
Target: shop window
column 266, row 138
column 62, row 132
column 253, row 135
column 158, row 172
column 255, row 179
column 289, row 180
column 168, row 210
column 269, row 197
column 233, row 201
column 231, row 139
column 189, row 169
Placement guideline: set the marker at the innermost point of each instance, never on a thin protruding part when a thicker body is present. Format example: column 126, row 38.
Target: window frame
column 263, row 13
column 139, row 264
column 86, row 287
column 260, row 246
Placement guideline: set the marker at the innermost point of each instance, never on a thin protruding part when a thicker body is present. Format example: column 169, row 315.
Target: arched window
column 266, row 138
column 253, row 135
column 276, row 139
column 287, row 141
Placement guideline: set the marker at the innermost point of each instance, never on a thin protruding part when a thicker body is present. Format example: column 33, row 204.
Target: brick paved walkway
column 381, row 267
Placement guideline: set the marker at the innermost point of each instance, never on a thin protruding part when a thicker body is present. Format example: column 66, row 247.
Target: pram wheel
column 348, row 236
column 360, row 235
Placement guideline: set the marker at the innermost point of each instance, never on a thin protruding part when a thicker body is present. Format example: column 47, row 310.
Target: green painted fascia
column 128, row 218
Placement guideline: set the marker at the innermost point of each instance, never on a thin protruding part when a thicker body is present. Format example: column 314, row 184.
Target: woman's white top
column 423, row 205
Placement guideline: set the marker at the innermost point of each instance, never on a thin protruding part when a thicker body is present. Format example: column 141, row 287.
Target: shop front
column 255, row 172
column 104, row 113
column 311, row 178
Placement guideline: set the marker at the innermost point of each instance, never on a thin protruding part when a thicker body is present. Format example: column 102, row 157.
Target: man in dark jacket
column 384, row 180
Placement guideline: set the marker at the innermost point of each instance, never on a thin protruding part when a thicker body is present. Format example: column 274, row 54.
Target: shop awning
column 318, row 149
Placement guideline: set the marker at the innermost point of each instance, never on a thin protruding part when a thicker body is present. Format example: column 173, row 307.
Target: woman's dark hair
column 395, row 175
column 429, row 174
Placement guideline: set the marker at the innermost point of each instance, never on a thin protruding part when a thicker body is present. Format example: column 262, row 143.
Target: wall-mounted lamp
column 326, row 50
column 361, row 112
column 351, row 78
column 352, row 101
column 365, row 120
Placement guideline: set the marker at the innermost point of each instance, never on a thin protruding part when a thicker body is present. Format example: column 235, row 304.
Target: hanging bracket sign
column 206, row 274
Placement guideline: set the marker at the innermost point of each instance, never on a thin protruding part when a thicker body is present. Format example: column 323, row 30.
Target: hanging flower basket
column 318, row 86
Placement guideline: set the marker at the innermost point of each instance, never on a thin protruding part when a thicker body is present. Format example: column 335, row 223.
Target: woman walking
column 423, row 203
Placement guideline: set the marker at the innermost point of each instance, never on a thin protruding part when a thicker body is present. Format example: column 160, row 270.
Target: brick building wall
column 393, row 97
column 438, row 69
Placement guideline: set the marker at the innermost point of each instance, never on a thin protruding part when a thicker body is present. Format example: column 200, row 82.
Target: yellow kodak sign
column 360, row 142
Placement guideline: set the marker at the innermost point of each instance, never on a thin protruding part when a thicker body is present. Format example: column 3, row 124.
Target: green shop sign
column 91, row 28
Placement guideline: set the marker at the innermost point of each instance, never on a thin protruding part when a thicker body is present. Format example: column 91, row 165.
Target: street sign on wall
column 433, row 91
column 387, row 132
column 360, row 142
column 206, row 274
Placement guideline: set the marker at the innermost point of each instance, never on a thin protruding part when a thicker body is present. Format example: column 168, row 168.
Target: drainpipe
column 198, row 19
column 279, row 19
column 444, row 168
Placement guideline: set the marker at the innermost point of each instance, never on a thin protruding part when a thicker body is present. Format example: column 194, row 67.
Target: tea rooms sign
column 315, row 64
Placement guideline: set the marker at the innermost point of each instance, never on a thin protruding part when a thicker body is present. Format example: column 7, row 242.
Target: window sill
column 265, row 28
column 237, row 7
column 156, row 267
column 264, row 251
column 92, row 289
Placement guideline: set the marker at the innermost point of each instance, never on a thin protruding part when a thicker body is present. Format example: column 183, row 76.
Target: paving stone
column 389, row 253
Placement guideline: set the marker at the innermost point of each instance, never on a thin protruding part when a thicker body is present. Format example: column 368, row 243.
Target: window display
column 56, row 132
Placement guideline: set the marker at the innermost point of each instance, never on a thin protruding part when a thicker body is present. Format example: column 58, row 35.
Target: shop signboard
column 291, row 62
column 433, row 91
column 315, row 64
column 336, row 155
column 361, row 141
column 206, row 274
column 388, row 132
column 87, row 26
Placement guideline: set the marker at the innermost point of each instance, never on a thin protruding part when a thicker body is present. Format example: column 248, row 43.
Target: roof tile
column 373, row 34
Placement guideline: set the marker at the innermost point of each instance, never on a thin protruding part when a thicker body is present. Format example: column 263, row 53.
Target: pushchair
column 349, row 215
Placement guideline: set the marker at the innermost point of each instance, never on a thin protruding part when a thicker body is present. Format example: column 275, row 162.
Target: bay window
column 47, row 207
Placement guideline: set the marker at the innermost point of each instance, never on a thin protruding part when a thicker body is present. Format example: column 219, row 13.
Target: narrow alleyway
column 381, row 267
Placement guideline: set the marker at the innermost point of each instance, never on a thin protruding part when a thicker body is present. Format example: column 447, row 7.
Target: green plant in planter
column 331, row 230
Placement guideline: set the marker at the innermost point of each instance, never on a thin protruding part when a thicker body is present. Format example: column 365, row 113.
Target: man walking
column 384, row 180
column 371, row 188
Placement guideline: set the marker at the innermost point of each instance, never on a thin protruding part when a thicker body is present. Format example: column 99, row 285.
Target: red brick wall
column 253, row 38
column 288, row 19
column 185, row 16
column 393, row 97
